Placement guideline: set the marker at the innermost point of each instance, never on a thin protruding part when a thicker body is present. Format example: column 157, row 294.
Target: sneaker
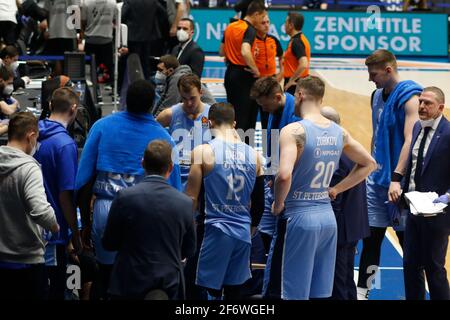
column 362, row 293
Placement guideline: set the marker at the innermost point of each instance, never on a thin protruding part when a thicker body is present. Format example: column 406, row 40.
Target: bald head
column 331, row 114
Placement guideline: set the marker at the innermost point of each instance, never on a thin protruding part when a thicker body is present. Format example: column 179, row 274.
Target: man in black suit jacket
column 426, row 238
column 350, row 209
column 188, row 51
column 144, row 31
column 151, row 225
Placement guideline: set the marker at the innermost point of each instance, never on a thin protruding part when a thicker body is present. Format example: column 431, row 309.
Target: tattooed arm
column 292, row 141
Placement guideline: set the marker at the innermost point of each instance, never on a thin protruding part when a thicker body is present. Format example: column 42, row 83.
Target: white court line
column 394, row 243
column 326, row 79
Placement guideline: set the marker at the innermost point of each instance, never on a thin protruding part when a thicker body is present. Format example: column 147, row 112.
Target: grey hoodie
column 171, row 95
column 24, row 210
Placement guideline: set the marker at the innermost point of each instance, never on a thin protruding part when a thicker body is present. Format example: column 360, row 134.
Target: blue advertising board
column 341, row 33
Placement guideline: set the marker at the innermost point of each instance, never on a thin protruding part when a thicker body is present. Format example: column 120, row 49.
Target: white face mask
column 160, row 78
column 426, row 123
column 14, row 65
column 8, row 90
column 182, row 35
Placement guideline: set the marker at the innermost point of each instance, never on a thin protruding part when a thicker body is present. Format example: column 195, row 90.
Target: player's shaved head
column 331, row 114
column 222, row 113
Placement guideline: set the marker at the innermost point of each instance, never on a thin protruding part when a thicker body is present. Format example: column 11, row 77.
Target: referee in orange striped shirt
column 266, row 51
column 242, row 72
column 298, row 54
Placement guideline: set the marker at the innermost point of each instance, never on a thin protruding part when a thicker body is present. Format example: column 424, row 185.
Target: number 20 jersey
column 312, row 173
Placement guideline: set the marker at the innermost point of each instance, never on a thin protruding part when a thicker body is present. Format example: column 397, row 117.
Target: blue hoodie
column 58, row 155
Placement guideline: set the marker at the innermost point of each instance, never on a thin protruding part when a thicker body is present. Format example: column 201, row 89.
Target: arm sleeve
column 39, row 210
column 67, row 167
column 113, row 235
column 257, row 207
column 197, row 62
column 279, row 47
column 125, row 11
column 189, row 245
column 249, row 35
column 87, row 165
column 298, row 48
column 172, row 95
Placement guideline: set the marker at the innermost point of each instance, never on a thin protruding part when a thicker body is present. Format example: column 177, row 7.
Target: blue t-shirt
column 58, row 155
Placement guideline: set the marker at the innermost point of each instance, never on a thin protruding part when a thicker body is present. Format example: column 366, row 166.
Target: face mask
column 160, row 78
column 182, row 35
column 426, row 123
column 14, row 65
column 8, row 90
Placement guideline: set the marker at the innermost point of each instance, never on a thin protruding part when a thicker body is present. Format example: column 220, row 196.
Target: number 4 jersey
column 313, row 172
column 228, row 188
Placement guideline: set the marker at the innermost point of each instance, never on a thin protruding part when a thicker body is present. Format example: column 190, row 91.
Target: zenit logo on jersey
column 205, row 122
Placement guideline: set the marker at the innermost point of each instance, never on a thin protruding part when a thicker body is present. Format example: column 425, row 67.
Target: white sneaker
column 362, row 293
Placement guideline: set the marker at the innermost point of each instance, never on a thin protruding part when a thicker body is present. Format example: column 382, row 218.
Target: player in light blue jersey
column 395, row 106
column 280, row 105
column 302, row 254
column 234, row 201
column 187, row 121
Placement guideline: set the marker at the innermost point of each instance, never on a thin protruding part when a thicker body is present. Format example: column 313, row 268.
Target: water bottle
column 79, row 89
column 38, row 104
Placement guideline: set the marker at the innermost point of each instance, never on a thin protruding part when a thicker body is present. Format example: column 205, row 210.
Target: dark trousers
column 57, row 275
column 24, row 284
column 194, row 292
column 344, row 287
column 426, row 242
column 103, row 55
column 142, row 49
column 8, row 32
column 100, row 284
column 267, row 240
column 371, row 252
column 238, row 83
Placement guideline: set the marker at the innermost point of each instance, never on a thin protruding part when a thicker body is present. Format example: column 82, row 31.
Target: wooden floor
column 354, row 110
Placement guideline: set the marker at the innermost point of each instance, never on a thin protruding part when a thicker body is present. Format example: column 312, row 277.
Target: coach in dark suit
column 426, row 238
column 350, row 209
column 151, row 225
column 188, row 51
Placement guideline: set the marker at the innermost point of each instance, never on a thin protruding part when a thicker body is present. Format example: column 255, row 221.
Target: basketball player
column 234, row 199
column 302, row 255
column 187, row 121
column 395, row 106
